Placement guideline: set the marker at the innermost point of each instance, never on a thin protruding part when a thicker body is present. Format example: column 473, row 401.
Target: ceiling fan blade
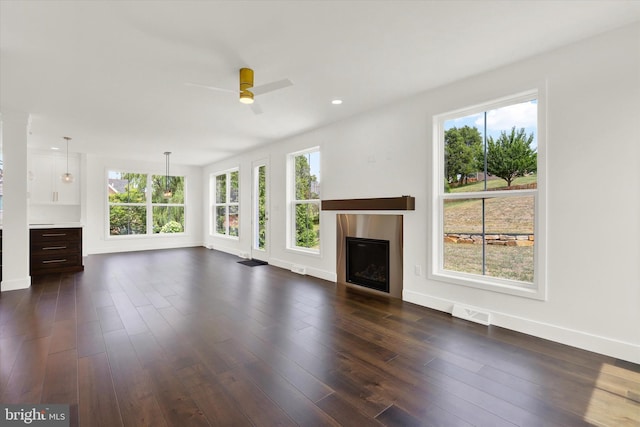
column 217, row 89
column 270, row 87
column 255, row 107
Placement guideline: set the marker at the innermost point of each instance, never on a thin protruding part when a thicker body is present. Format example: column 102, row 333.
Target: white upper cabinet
column 45, row 179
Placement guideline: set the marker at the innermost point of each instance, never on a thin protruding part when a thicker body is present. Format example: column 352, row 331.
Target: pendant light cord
column 166, row 178
column 66, row 138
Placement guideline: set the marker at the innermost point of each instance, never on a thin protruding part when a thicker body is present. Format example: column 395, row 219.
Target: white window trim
column 213, row 211
column 148, row 204
column 536, row 290
column 292, row 202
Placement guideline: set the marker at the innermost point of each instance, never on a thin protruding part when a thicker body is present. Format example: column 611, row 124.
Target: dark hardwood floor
column 190, row 337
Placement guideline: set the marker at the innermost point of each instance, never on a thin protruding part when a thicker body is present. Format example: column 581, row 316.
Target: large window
column 226, row 206
column 132, row 211
column 1, row 183
column 304, row 196
column 488, row 208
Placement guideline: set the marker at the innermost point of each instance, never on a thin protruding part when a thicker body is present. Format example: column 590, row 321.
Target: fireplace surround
column 371, row 228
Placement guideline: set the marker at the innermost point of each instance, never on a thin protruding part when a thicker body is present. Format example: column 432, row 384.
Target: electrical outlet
column 417, row 270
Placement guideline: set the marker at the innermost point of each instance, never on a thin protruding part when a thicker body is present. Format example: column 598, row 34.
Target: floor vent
column 300, row 269
column 472, row 314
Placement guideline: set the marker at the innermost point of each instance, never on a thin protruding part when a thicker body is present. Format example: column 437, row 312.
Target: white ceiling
column 112, row 74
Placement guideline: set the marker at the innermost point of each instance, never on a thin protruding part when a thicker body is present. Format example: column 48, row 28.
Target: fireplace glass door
column 367, row 262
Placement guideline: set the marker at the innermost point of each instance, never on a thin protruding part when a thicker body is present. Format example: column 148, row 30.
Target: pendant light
column 66, row 177
column 167, row 192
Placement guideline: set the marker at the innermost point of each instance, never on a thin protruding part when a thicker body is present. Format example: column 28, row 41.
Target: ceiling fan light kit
column 246, row 97
column 247, row 91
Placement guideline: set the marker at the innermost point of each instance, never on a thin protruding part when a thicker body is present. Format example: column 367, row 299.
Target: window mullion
column 489, row 194
column 149, row 205
column 485, row 179
column 227, row 199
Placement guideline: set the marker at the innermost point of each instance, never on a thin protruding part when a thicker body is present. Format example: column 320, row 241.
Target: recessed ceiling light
column 55, row 148
column 336, row 101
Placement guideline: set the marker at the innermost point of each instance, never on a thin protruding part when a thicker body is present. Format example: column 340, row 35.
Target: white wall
column 96, row 238
column 593, row 204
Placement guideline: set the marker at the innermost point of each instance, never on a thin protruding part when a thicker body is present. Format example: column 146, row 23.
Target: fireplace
column 368, row 263
column 376, row 240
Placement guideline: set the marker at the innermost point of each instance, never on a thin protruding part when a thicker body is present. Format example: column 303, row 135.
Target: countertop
column 56, row 225
column 41, row 225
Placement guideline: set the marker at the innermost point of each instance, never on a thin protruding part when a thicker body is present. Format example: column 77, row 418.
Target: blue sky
column 522, row 115
column 314, row 163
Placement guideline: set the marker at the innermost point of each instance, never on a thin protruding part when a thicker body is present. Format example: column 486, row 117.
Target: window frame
column 148, row 205
column 535, row 290
column 292, row 202
column 213, row 230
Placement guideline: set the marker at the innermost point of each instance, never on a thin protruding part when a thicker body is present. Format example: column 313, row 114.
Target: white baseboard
column 580, row 339
column 135, row 247
column 309, row 271
column 225, row 249
column 15, row 284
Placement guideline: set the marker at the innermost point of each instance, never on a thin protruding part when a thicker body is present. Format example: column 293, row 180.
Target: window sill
column 144, row 236
column 492, row 284
column 224, row 236
column 303, row 251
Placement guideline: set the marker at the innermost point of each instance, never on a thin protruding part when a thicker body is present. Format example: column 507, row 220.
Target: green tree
column 234, row 191
column 162, row 215
column 175, row 185
column 129, row 219
column 262, row 207
column 511, row 155
column 307, row 215
column 463, row 148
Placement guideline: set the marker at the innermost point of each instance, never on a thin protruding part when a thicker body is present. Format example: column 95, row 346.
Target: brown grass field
column 508, row 215
column 507, row 262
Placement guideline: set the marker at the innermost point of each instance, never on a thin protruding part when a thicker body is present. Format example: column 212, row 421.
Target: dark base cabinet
column 0, row 255
column 56, row 250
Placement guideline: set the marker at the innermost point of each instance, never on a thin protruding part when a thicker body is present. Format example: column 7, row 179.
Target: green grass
column 492, row 184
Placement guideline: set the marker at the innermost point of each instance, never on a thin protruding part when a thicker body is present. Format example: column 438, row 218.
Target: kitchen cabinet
column 45, row 183
column 56, row 250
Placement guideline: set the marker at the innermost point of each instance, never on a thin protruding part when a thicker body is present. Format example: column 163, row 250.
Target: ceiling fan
column 247, row 91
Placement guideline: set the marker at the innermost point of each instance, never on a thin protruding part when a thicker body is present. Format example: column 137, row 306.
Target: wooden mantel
column 402, row 203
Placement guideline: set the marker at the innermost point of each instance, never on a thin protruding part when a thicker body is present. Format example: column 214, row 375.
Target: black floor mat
column 253, row 262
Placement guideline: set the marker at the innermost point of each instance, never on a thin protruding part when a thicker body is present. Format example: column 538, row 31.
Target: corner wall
column 593, row 152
